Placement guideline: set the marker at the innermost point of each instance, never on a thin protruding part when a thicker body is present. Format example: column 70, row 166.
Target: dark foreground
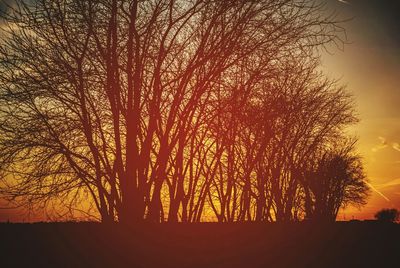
column 356, row 244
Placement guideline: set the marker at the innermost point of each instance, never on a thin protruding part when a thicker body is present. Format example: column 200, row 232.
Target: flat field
column 340, row 244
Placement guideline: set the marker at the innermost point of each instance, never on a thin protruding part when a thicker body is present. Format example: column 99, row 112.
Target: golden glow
column 369, row 70
column 370, row 66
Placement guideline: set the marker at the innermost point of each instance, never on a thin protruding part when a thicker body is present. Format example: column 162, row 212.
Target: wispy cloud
column 382, row 144
column 394, row 182
column 344, row 2
column 396, row 146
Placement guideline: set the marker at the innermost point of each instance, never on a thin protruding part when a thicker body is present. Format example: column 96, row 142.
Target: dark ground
column 350, row 244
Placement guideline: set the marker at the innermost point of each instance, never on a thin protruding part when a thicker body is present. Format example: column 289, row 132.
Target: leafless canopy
column 167, row 109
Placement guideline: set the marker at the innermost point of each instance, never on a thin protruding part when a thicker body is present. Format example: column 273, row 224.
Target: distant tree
column 388, row 215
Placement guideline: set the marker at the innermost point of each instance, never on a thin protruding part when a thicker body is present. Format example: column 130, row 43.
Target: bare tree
column 337, row 181
column 165, row 110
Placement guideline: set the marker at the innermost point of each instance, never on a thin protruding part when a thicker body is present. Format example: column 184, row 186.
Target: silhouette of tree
column 388, row 215
column 336, row 181
column 165, row 110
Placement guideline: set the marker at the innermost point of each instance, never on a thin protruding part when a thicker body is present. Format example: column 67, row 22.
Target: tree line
column 172, row 110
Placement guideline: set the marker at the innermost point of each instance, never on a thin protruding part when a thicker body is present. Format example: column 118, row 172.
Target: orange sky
column 370, row 67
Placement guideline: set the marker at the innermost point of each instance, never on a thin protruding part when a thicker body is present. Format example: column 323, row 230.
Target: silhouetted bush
column 388, row 215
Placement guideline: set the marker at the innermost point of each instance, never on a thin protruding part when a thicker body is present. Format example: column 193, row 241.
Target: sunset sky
column 370, row 67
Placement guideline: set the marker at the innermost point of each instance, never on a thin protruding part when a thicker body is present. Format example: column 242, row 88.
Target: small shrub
column 388, row 215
